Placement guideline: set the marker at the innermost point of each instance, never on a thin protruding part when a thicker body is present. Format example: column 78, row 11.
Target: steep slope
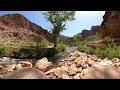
column 110, row 25
column 15, row 28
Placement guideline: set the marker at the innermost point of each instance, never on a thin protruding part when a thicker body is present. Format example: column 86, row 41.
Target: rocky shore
column 78, row 65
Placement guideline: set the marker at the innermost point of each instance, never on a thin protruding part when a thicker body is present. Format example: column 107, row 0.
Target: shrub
column 61, row 47
column 82, row 48
column 91, row 38
column 90, row 50
column 2, row 49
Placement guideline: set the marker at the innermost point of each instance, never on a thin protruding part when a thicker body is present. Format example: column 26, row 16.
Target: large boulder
column 98, row 71
column 25, row 73
column 43, row 64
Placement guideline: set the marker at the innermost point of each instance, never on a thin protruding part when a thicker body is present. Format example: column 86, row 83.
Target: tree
column 58, row 19
column 77, row 37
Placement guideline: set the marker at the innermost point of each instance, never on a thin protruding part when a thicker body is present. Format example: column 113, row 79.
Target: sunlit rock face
column 18, row 22
column 110, row 25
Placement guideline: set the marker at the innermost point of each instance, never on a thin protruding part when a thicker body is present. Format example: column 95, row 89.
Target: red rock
column 102, row 72
column 59, row 71
column 110, row 25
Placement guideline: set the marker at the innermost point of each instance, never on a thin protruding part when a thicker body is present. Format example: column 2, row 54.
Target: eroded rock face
column 17, row 21
column 25, row 73
column 110, row 25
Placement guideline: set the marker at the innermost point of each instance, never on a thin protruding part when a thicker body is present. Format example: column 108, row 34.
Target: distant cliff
column 86, row 33
column 17, row 26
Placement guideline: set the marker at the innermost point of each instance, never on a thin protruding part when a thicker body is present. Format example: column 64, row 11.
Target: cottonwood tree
column 58, row 19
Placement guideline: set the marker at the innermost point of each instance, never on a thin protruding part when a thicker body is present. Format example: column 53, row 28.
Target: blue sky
column 84, row 20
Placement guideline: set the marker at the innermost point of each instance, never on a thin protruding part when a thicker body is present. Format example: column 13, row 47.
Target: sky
column 84, row 20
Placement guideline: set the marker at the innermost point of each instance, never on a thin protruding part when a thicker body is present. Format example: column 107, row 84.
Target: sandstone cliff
column 110, row 25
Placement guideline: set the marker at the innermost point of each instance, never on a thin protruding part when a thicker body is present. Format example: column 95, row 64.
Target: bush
column 82, row 48
column 61, row 47
column 91, row 38
column 108, row 51
column 2, row 49
column 90, row 50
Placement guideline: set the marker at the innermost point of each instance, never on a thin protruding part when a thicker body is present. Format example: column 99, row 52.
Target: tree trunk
column 55, row 41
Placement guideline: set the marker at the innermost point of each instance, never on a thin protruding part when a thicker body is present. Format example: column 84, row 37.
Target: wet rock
column 25, row 64
column 43, row 64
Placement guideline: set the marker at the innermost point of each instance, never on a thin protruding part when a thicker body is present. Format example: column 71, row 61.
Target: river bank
column 70, row 65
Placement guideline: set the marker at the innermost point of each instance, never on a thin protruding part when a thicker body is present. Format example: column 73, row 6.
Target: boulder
column 71, row 73
column 98, row 71
column 43, row 64
column 25, row 73
column 73, row 68
column 59, row 71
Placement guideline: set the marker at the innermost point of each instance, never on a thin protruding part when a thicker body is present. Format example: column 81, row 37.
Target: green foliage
column 90, row 50
column 61, row 47
column 91, row 38
column 64, row 39
column 102, row 51
column 82, row 48
column 77, row 37
column 2, row 48
column 58, row 19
